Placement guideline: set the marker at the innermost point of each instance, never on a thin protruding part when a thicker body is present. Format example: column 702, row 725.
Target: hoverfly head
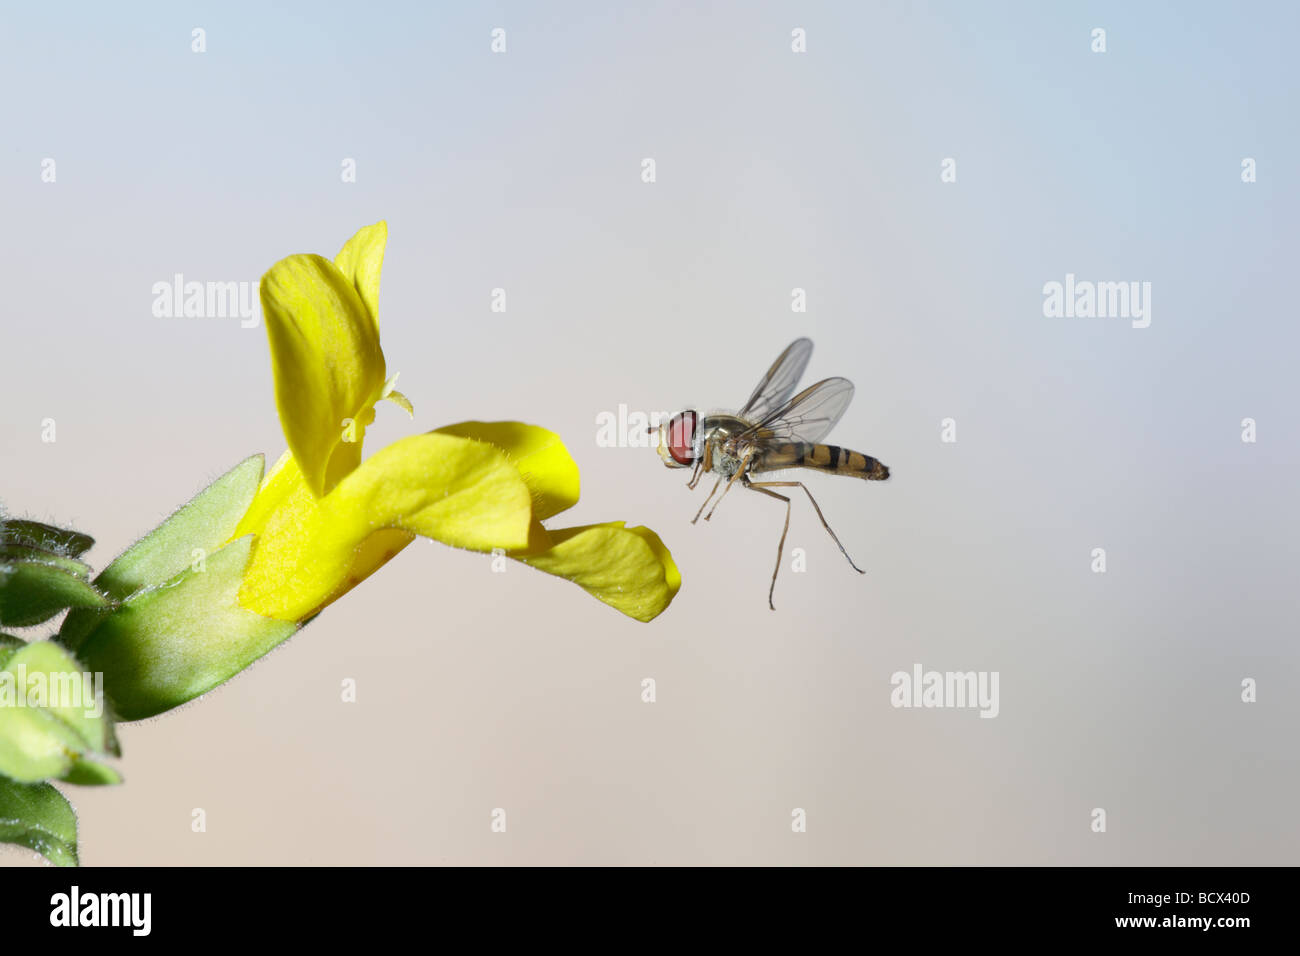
column 677, row 440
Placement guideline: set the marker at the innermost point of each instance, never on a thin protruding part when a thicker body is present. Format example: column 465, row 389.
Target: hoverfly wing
column 778, row 384
column 808, row 417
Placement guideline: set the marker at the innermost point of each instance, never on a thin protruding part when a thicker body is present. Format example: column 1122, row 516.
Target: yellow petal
column 629, row 569
column 540, row 456
column 310, row 550
column 374, row 552
column 328, row 367
column 280, row 483
column 362, row 259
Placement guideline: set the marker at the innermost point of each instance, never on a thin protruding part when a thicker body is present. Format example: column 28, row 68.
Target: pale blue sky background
column 775, row 170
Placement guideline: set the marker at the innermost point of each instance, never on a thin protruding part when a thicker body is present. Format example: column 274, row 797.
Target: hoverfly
column 772, row 432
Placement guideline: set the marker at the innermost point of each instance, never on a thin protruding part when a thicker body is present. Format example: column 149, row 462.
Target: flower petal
column 311, row 551
column 540, row 456
column 283, row 481
column 328, row 367
column 362, row 259
column 629, row 569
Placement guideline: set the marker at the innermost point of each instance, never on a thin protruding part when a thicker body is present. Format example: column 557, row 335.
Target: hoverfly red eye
column 681, row 438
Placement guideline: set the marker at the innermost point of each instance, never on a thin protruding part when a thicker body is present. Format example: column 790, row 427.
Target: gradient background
column 775, row 170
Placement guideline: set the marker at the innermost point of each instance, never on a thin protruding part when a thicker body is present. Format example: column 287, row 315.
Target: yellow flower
column 237, row 570
column 324, row 519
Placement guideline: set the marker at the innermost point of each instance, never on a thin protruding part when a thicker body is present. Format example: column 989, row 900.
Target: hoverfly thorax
column 679, row 440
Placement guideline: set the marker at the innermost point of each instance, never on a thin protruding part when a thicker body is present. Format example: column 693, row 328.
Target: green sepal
column 190, row 534
column 171, row 643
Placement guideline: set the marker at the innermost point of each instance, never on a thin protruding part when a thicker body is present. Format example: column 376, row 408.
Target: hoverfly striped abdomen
column 828, row 458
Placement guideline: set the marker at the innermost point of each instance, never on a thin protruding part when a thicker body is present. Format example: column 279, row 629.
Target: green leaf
column 69, row 692
column 88, row 773
column 196, row 529
column 45, row 536
column 34, row 745
column 171, row 643
column 35, row 585
column 38, row 817
column 11, row 553
column 50, row 713
column 9, row 644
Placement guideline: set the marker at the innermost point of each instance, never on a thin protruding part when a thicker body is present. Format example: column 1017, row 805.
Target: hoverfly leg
column 695, row 476
column 800, row 484
column 703, row 465
column 706, row 501
column 740, row 474
column 780, row 548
